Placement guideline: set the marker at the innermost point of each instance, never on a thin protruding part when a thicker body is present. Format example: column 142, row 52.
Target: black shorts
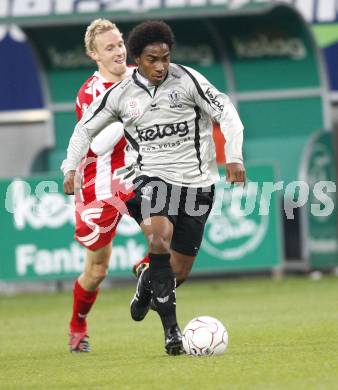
column 187, row 209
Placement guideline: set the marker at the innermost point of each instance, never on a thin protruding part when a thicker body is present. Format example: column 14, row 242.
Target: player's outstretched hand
column 235, row 173
column 68, row 183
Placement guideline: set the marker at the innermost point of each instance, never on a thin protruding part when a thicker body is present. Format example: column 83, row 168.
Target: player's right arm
column 99, row 115
column 220, row 109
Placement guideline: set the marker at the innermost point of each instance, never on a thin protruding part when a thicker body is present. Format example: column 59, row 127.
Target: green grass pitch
column 283, row 334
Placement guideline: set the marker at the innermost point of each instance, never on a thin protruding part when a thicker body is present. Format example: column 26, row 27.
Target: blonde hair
column 96, row 27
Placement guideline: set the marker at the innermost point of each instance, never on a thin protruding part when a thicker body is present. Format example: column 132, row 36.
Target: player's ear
column 94, row 56
column 137, row 61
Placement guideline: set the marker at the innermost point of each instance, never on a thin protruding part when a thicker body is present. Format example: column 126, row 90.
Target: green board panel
column 38, row 242
column 238, row 242
column 277, row 131
column 282, row 152
column 281, row 118
column 274, row 51
column 321, row 210
column 55, row 158
column 65, row 84
column 64, row 123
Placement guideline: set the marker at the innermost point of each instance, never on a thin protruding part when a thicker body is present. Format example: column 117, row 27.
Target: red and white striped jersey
column 98, row 168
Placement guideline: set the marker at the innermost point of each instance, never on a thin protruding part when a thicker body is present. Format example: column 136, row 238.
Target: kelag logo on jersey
column 160, row 131
column 213, row 100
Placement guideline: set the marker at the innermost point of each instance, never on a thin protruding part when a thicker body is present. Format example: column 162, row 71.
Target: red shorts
column 96, row 221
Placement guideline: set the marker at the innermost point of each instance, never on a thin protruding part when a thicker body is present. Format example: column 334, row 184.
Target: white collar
column 143, row 80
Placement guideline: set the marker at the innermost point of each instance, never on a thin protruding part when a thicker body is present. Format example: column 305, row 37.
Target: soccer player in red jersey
column 100, row 197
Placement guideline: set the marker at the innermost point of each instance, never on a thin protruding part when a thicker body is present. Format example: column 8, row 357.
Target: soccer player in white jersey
column 167, row 112
column 94, row 210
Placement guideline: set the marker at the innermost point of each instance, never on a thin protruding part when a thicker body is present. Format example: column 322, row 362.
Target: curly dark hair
column 147, row 33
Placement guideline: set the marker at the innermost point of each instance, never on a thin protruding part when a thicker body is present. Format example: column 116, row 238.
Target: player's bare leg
column 85, row 292
column 96, row 267
column 181, row 265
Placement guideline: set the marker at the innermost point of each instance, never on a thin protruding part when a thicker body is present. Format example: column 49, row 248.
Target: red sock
column 82, row 303
column 145, row 260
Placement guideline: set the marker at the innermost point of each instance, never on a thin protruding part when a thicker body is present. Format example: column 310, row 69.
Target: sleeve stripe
column 135, row 146
column 198, row 117
column 197, row 85
column 197, row 138
column 103, row 103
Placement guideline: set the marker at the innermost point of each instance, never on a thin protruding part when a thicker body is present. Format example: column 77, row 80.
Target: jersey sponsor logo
column 167, row 145
column 213, row 99
column 160, row 131
column 175, row 75
column 154, row 107
column 134, row 108
column 174, row 99
column 124, row 84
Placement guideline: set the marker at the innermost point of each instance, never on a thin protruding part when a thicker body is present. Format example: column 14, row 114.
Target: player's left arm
column 100, row 114
column 106, row 140
column 220, row 109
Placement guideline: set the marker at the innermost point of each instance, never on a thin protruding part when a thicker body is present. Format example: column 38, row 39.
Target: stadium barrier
column 319, row 230
column 38, row 243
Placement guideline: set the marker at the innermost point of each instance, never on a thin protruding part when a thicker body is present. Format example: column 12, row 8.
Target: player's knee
column 159, row 244
column 181, row 270
column 97, row 266
column 99, row 272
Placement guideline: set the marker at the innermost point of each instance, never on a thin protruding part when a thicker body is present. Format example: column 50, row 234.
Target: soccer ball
column 204, row 336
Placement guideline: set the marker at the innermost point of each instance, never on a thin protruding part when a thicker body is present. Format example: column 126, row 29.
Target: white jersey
column 170, row 126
